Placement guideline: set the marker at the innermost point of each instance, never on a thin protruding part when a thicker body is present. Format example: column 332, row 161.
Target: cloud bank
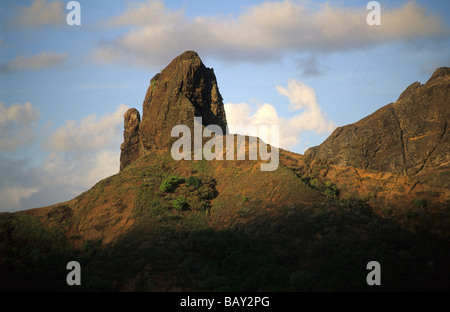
column 91, row 134
column 17, row 125
column 79, row 155
column 40, row 61
column 261, row 32
column 41, row 13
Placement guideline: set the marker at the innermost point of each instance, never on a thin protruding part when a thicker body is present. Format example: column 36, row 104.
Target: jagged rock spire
column 185, row 89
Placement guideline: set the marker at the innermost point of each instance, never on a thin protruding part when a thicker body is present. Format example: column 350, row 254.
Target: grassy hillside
column 162, row 225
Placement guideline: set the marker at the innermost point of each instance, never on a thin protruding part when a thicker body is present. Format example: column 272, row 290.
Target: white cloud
column 41, row 13
column 40, row 61
column 61, row 177
column 16, row 183
column 147, row 13
column 301, row 97
column 104, row 164
column 17, row 125
column 261, row 32
column 80, row 154
column 12, row 196
column 17, row 113
column 76, row 172
column 91, row 133
column 299, row 94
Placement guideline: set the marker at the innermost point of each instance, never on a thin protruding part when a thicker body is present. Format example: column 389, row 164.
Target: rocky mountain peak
column 408, row 137
column 185, row 89
column 441, row 72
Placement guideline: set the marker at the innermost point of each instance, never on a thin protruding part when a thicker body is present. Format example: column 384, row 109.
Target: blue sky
column 308, row 66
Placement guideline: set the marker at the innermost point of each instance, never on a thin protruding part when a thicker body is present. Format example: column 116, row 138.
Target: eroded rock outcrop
column 130, row 146
column 185, row 89
column 408, row 137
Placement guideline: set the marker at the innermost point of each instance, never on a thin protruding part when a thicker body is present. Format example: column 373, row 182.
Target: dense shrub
column 170, row 183
column 420, row 202
column 180, row 203
column 315, row 183
column 194, row 182
column 330, row 190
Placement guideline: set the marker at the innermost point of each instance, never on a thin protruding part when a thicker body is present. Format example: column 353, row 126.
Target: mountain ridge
column 194, row 225
column 409, row 136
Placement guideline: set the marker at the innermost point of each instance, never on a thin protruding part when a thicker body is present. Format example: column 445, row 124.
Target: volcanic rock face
column 130, row 146
column 185, row 89
column 409, row 136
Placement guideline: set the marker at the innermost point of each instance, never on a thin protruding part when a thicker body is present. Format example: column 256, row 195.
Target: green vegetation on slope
column 303, row 249
column 227, row 237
